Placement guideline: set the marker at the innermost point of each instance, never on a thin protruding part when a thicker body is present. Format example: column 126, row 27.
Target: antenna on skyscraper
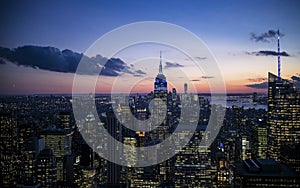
column 160, row 64
column 160, row 55
column 278, row 54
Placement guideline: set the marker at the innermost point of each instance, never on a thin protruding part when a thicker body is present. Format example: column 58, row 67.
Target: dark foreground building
column 264, row 173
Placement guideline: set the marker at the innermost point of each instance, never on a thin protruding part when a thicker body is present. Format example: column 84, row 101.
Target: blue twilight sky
column 224, row 26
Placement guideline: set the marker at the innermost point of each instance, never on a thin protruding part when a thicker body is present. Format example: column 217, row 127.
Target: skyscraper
column 283, row 114
column 60, row 143
column 115, row 129
column 64, row 120
column 28, row 148
column 262, row 144
column 46, row 168
column 185, row 88
column 8, row 147
column 160, row 84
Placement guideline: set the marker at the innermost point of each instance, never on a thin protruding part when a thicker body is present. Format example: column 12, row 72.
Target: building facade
column 283, row 115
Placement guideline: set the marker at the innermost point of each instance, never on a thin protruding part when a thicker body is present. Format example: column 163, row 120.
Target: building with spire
column 159, row 108
column 160, row 83
column 283, row 112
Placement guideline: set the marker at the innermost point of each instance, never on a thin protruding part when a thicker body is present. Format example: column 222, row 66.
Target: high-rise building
column 27, row 168
column 261, row 139
column 130, row 154
column 159, row 106
column 246, row 150
column 8, row 145
column 283, row 115
column 64, row 120
column 193, row 162
column 185, row 88
column 60, row 142
column 46, row 168
column 290, row 156
column 114, row 128
column 27, row 148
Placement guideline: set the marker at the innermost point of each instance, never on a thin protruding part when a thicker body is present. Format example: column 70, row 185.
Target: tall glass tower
column 284, row 115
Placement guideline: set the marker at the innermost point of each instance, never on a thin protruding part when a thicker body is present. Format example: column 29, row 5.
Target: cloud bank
column 65, row 61
column 172, row 65
column 207, row 77
column 264, row 85
column 266, row 36
column 268, row 53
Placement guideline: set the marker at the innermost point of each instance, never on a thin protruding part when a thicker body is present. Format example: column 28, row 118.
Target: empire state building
column 160, row 83
column 160, row 107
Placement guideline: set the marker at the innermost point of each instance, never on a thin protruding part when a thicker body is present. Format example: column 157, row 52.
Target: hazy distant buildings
column 185, row 88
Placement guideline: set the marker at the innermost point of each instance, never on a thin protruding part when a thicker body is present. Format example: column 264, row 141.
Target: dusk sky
column 236, row 33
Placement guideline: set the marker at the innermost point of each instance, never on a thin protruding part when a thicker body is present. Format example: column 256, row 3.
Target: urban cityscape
column 251, row 140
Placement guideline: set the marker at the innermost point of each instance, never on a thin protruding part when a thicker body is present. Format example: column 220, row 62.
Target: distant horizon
column 204, row 94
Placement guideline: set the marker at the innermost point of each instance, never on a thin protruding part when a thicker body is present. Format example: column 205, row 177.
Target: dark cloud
column 47, row 58
column 201, row 58
column 263, row 85
column 66, row 61
column 140, row 72
column 232, row 53
column 207, row 77
column 172, row 65
column 137, row 75
column 268, row 53
column 2, row 61
column 265, row 37
column 195, row 80
column 257, row 79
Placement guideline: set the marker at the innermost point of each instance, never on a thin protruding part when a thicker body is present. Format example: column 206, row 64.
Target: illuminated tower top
column 160, row 65
column 278, row 54
column 160, row 83
column 160, row 72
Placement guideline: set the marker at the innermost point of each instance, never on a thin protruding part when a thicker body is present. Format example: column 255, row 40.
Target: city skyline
column 238, row 36
column 149, row 94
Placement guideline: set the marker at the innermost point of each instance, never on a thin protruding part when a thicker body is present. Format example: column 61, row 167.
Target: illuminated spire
column 278, row 54
column 160, row 65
